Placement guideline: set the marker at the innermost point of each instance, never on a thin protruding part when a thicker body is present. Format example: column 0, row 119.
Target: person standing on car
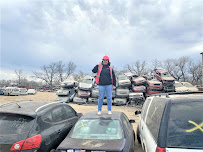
column 107, row 82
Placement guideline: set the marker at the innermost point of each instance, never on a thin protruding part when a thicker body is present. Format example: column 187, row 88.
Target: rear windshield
column 15, row 124
column 97, row 129
column 186, row 125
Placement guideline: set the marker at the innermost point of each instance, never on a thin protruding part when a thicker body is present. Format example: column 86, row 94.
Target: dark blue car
column 100, row 133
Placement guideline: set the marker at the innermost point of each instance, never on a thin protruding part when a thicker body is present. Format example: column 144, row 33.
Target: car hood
column 92, row 144
column 85, row 85
column 168, row 78
column 139, row 79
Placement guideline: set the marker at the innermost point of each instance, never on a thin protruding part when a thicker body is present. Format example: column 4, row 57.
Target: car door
column 152, row 123
column 47, row 131
column 129, row 134
column 61, row 123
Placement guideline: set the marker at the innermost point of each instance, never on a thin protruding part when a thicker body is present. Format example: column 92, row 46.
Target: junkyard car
column 31, row 91
column 83, row 94
column 23, row 91
column 138, row 88
column 179, row 87
column 172, row 122
column 136, row 98
column 79, row 100
column 189, row 86
column 122, row 92
column 167, row 80
column 85, row 84
column 138, row 81
column 119, row 101
column 100, row 133
column 11, row 91
column 65, row 91
column 123, row 81
column 35, row 126
column 154, row 85
column 95, row 92
column 69, row 83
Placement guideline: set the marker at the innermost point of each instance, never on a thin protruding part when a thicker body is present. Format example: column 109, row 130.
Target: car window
column 45, row 121
column 59, row 114
column 154, row 116
column 185, row 127
column 97, row 129
column 70, row 112
column 145, row 107
column 15, row 124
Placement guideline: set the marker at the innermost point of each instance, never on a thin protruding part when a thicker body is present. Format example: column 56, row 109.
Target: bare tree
column 70, row 68
column 169, row 65
column 139, row 67
column 48, row 73
column 156, row 64
column 181, row 66
column 61, row 70
column 20, row 75
column 196, row 72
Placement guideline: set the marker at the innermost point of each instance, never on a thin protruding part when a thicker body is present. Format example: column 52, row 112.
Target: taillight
column 158, row 149
column 26, row 144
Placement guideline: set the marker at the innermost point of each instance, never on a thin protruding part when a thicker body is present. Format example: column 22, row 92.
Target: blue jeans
column 102, row 89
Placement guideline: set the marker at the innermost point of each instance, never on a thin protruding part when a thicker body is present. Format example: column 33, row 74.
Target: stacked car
column 84, row 89
column 67, row 90
column 122, row 90
column 166, row 79
column 152, row 85
column 137, row 89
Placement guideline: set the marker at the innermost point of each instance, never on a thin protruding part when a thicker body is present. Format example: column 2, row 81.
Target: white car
column 179, row 87
column 31, row 91
column 172, row 122
column 12, row 91
column 23, row 91
column 189, row 86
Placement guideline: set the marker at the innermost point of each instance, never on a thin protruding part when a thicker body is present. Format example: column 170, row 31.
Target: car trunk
column 14, row 128
column 87, row 144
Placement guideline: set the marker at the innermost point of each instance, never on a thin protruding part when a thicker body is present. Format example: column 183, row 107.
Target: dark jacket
column 105, row 76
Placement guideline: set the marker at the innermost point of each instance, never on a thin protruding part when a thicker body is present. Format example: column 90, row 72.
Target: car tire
column 138, row 135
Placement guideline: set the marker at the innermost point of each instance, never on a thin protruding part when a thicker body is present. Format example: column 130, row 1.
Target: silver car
column 122, row 92
column 123, row 81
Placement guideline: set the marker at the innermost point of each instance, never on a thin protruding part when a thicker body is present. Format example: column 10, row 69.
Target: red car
column 166, row 79
column 138, row 88
column 83, row 94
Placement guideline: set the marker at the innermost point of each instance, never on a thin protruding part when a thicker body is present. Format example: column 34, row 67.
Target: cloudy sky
column 37, row 32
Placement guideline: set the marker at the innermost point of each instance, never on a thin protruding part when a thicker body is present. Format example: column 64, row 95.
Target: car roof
column 29, row 108
column 104, row 115
column 178, row 96
column 161, row 70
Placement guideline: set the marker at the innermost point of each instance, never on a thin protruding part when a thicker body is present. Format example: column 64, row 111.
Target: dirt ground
column 51, row 96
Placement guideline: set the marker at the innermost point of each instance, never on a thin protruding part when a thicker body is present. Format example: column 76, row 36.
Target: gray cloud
column 40, row 32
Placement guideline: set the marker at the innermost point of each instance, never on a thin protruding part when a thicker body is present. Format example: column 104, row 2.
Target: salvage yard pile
column 51, row 96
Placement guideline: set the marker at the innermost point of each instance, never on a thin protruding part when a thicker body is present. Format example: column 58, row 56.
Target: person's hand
column 99, row 64
column 114, row 87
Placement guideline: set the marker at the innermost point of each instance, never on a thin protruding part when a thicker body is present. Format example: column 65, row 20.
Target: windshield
column 186, row 125
column 97, row 129
column 15, row 124
column 87, row 81
column 122, row 77
column 166, row 74
column 178, row 85
column 188, row 84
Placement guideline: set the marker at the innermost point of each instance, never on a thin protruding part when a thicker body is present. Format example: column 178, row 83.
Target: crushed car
column 138, row 80
column 119, row 101
column 166, row 79
column 122, row 80
column 122, row 92
column 179, row 87
column 138, row 88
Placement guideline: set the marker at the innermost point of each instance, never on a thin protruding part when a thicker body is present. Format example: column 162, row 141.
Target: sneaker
column 99, row 113
column 109, row 112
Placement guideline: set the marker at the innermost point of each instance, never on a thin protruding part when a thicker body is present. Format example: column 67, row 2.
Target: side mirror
column 137, row 112
column 132, row 121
